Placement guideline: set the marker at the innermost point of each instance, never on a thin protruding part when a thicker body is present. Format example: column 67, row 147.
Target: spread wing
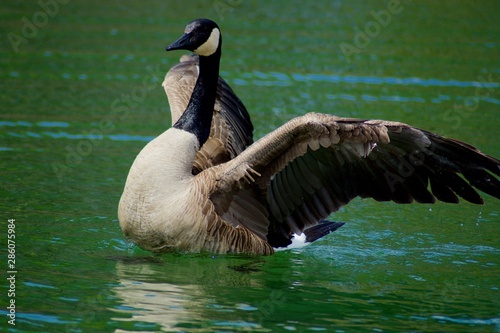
column 314, row 164
column 231, row 130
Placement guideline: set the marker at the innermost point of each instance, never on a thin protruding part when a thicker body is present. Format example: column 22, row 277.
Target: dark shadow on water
column 249, row 266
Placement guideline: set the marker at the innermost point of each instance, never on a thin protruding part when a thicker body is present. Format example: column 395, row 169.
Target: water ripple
column 53, row 124
column 21, row 123
column 62, row 134
column 15, row 123
column 283, row 79
column 465, row 321
column 114, row 137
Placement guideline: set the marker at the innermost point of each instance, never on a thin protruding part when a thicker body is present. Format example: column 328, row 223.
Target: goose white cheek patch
column 211, row 45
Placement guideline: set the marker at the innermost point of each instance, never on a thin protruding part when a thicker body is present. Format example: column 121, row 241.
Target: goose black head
column 201, row 36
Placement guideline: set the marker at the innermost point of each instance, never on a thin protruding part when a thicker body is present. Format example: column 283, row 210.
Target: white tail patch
column 297, row 242
column 211, row 45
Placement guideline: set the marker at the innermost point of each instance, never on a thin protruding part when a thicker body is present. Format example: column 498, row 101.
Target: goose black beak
column 183, row 43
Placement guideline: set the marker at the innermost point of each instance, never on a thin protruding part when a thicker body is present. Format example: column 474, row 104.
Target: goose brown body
column 256, row 197
column 165, row 207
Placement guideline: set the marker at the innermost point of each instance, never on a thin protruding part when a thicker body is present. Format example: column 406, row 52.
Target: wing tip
column 320, row 230
column 311, row 234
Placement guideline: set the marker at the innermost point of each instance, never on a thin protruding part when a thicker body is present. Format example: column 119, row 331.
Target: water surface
column 76, row 111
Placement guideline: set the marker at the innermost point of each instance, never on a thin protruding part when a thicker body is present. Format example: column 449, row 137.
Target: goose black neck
column 197, row 118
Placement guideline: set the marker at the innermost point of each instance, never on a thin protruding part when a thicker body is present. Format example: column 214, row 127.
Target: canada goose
column 287, row 181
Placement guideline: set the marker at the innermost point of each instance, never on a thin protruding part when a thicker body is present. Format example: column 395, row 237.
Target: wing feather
column 315, row 164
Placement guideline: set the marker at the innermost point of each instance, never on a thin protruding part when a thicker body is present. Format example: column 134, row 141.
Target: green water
column 80, row 96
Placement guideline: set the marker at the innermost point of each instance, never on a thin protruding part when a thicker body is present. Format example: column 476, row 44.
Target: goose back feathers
column 179, row 197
